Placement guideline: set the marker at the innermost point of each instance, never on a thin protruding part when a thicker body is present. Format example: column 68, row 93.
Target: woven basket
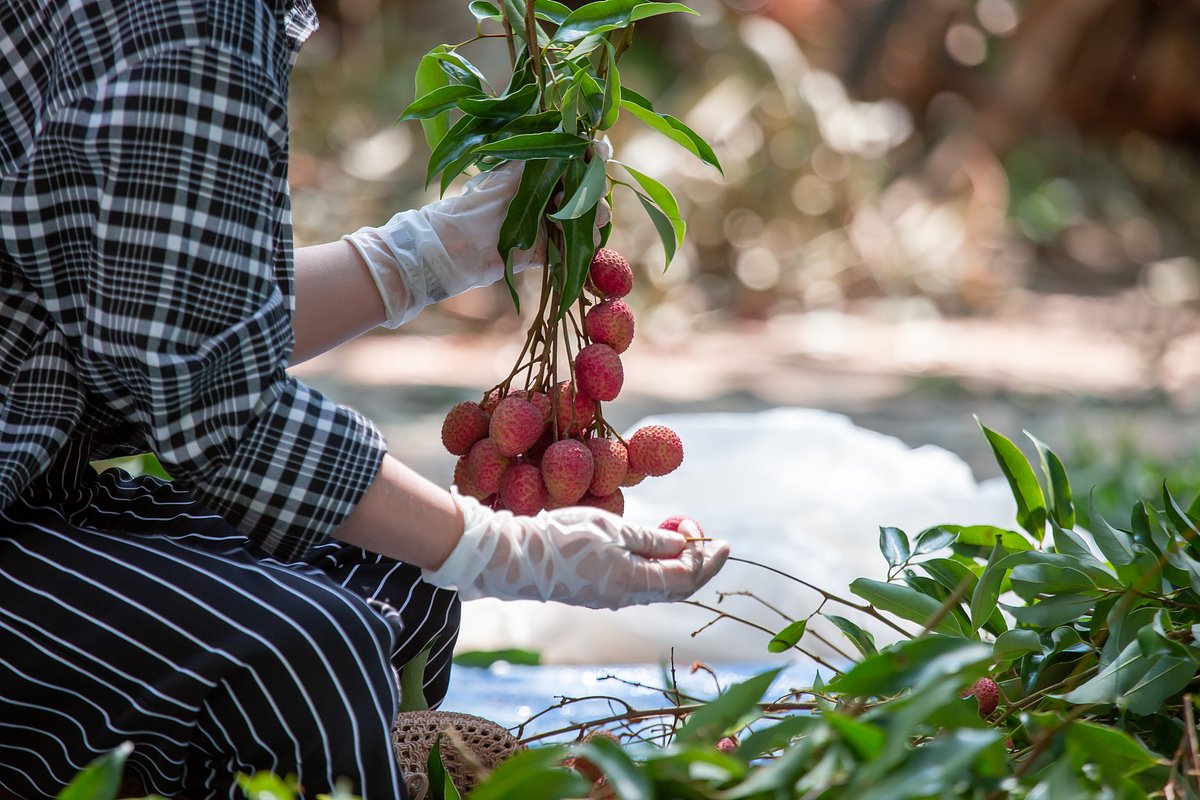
column 470, row 745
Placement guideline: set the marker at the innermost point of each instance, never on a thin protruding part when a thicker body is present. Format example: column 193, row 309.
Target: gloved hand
column 444, row 248
column 581, row 556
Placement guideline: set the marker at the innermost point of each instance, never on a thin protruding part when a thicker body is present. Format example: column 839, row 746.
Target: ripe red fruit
column 484, row 466
column 463, row 481
column 611, row 465
column 567, row 468
column 655, row 450
column 610, row 274
column 613, row 503
column 465, row 424
column 611, row 323
column 633, row 478
column 574, row 408
column 522, row 490
column 987, row 693
column 672, row 523
column 516, row 424
column 727, row 744
column 599, row 372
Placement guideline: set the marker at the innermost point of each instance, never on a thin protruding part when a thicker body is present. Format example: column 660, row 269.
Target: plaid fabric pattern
column 146, row 266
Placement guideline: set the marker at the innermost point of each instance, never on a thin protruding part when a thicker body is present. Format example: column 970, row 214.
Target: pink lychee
column 633, row 479
column 522, row 490
column 655, row 450
column 541, row 402
column 610, row 274
column 494, row 397
column 987, row 693
column 567, row 470
column 574, row 409
column 599, row 372
column 484, row 466
column 672, row 523
column 463, row 481
column 611, row 323
column 516, row 425
column 465, row 424
column 614, row 503
column 611, row 464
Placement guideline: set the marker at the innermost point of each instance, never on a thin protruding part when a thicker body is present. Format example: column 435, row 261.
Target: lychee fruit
column 655, row 450
column 613, row 503
column 672, row 523
column 574, row 409
column 522, row 490
column 611, row 464
column 541, row 401
column 987, row 693
column 598, row 370
column 516, row 424
column 484, row 466
column 633, row 478
column 610, row 274
column 610, row 323
column 496, row 395
column 567, row 470
column 727, row 744
column 465, row 424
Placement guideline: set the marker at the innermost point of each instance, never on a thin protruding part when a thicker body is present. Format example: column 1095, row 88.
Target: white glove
column 427, row 254
column 582, row 556
column 444, row 248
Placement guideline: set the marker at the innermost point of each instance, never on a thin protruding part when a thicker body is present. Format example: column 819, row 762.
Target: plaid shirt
column 146, row 289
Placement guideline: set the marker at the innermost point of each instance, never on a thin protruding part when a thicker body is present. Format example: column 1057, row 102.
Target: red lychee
column 496, row 395
column 541, row 401
column 633, row 478
column 987, row 693
column 463, row 481
column 516, row 424
column 598, row 370
column 484, row 467
column 610, row 274
column 574, row 409
column 611, row 464
column 672, row 523
column 655, row 450
column 567, row 470
column 727, row 744
column 611, row 323
column 465, row 424
column 522, row 490
column 614, row 503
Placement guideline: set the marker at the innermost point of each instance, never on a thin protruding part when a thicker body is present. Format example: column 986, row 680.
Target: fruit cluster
column 547, row 445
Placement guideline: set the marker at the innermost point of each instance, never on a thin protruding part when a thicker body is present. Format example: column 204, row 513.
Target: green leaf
column 481, row 10
column 1116, row 545
column 519, row 230
column 933, row 539
column 486, row 658
column 528, row 146
column 1061, row 508
column 713, row 720
column 441, row 786
column 578, row 242
column 1116, row 753
column 1016, row 643
column 673, row 129
column 666, row 231
column 462, row 137
column 429, row 78
column 536, row 772
column 1031, row 506
column 1053, row 611
column 438, row 101
column 775, row 737
column 611, row 107
column 862, row 640
column 412, row 681
column 864, row 738
column 913, row 663
column 788, row 638
column 1178, row 517
column 950, row 574
column 663, row 198
column 893, row 543
column 608, row 15
column 1136, row 682
column 903, row 602
column 100, row 780
column 552, row 11
column 988, row 536
column 776, row 776
column 623, row 774
column 506, row 107
column 987, row 591
column 591, row 188
column 457, row 68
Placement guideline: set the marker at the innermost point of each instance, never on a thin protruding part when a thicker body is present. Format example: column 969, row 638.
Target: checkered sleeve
column 185, row 321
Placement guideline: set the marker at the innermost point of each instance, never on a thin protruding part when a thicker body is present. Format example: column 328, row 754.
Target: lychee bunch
column 547, row 444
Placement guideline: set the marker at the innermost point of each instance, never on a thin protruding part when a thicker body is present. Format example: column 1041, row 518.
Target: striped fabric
column 145, row 304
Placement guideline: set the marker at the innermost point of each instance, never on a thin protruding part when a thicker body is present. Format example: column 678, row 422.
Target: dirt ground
column 1067, row 368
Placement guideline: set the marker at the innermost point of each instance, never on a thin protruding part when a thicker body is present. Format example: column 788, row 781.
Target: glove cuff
column 389, row 254
column 468, row 559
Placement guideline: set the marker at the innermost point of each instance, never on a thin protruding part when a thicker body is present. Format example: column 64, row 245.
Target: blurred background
column 929, row 209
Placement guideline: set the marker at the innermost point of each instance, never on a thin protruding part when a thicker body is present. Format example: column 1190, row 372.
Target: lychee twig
column 724, row 615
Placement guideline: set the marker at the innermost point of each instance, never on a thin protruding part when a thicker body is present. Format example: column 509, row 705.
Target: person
column 250, row 614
